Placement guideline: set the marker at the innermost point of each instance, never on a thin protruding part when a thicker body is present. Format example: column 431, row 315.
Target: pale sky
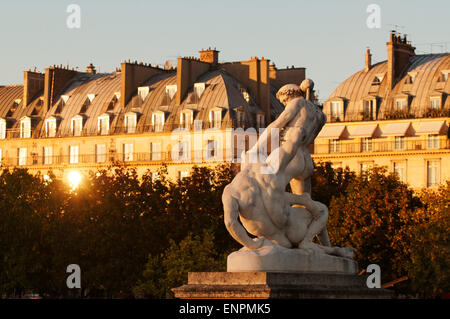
column 328, row 38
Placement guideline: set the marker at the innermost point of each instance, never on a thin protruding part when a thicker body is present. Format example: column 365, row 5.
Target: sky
column 328, row 38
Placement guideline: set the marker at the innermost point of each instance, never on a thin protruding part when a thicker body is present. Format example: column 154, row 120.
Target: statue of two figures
column 256, row 201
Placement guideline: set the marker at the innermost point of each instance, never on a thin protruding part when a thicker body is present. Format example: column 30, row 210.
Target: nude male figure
column 260, row 200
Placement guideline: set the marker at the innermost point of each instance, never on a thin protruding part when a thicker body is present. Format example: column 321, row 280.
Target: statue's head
column 288, row 92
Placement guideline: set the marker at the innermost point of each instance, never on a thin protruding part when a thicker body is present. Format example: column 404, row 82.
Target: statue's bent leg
column 237, row 231
column 318, row 225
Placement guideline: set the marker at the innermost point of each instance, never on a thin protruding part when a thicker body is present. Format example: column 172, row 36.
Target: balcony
column 382, row 146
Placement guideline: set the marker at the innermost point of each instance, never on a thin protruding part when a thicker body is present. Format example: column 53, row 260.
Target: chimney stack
column 399, row 53
column 210, row 56
column 368, row 64
column 91, row 69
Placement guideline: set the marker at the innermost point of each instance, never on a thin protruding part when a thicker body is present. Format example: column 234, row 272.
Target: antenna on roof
column 396, row 27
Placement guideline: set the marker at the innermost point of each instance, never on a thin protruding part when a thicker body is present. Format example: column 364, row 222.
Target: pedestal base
column 275, row 258
column 272, row 285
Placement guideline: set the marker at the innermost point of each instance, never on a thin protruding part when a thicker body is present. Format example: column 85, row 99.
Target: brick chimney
column 399, row 52
column 55, row 80
column 210, row 56
column 33, row 83
column 91, row 69
column 368, row 62
column 132, row 76
column 188, row 70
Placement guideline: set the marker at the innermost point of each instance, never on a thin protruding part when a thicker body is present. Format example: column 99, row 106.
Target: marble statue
column 256, row 202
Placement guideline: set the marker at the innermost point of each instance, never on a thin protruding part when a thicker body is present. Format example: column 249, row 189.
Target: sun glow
column 74, row 179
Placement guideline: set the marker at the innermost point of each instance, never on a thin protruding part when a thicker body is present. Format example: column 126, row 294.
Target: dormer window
column 25, row 127
column 410, row 78
column 50, row 127
column 401, row 105
column 87, row 103
column 143, row 92
column 199, row 88
column 186, row 118
column 245, row 95
column 2, row 129
column 215, row 118
column 158, row 121
column 171, row 90
column 443, row 77
column 76, row 125
column 435, row 103
column 130, row 122
column 103, row 124
column 62, row 102
column 336, row 111
column 112, row 103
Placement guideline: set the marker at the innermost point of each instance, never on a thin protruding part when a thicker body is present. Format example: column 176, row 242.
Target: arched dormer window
column 103, row 124
column 25, row 127
column 76, row 125
column 50, row 127
column 215, row 117
column 158, row 118
column 186, row 118
column 130, row 122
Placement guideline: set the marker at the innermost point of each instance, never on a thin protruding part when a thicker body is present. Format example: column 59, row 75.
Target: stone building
column 394, row 113
column 67, row 121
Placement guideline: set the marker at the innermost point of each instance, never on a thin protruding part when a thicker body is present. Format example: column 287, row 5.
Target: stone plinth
column 265, row 285
column 274, row 258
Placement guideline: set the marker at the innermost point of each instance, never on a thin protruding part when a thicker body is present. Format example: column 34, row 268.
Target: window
column 336, row 110
column 25, row 127
column 433, row 141
column 211, row 149
column 400, row 105
column 130, row 122
column 364, row 167
column 171, row 90
column 50, row 127
column 335, row 146
column 215, row 118
column 158, row 121
column 100, row 153
column 186, row 119
column 366, row 144
column 87, row 103
column 103, row 124
column 143, row 92
column 199, row 88
column 259, row 121
column 73, row 154
column 0, row 157
column 435, row 103
column 127, row 152
column 22, row 156
column 432, row 173
column 368, row 109
column 48, row 155
column 2, row 129
column 399, row 142
column 182, row 174
column 400, row 170
column 76, row 125
column 155, row 151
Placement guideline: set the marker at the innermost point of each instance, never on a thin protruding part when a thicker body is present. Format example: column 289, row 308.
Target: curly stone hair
column 288, row 92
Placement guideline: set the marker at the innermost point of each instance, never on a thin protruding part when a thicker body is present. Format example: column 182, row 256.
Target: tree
column 371, row 217
column 169, row 269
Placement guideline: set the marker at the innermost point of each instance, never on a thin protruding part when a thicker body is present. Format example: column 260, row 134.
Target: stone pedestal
column 275, row 285
column 274, row 258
